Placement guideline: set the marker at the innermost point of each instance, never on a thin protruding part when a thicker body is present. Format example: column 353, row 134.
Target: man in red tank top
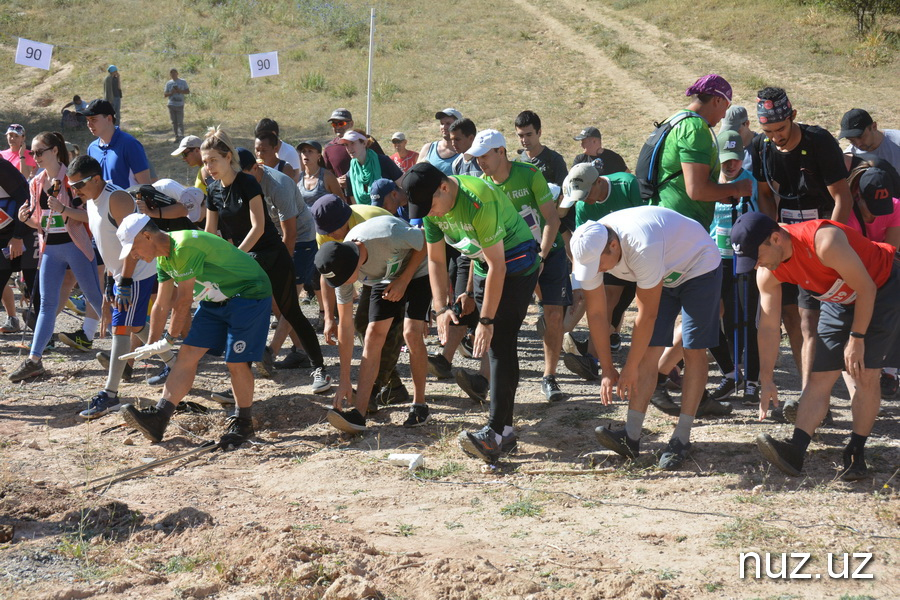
column 858, row 282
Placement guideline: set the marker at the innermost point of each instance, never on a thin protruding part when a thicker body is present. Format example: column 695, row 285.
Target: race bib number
column 723, row 241
column 839, row 293
column 531, row 219
column 467, row 247
column 790, row 216
column 52, row 222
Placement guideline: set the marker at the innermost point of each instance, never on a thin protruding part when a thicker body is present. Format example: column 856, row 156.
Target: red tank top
column 806, row 270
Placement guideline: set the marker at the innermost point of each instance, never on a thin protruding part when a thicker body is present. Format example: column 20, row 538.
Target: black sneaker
column 266, row 367
column 149, row 421
column 348, row 421
column 724, row 389
column 751, row 393
column 439, row 367
column 551, row 389
column 573, row 345
column 27, row 370
column 103, row 359
column 712, row 408
column 481, row 444
column 674, row 455
column 509, row 443
column 855, row 467
column 77, row 340
column 475, row 385
column 583, row 366
column 418, row 416
column 615, row 342
column 295, row 359
column 618, row 442
column 661, row 400
column 237, row 431
column 225, row 397
column 889, row 385
column 392, row 395
column 781, row 453
column 789, row 410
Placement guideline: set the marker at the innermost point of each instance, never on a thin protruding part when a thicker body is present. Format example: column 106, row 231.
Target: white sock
column 633, row 423
column 683, row 429
column 508, row 431
column 90, row 327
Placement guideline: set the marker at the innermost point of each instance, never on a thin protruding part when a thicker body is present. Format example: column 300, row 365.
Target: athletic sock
column 633, row 424
column 508, row 431
column 121, row 344
column 890, row 370
column 165, row 407
column 857, row 443
column 90, row 328
column 244, row 412
column 683, row 429
column 801, row 439
column 111, row 393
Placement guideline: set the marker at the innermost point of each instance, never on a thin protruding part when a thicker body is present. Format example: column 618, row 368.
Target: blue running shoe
column 100, row 405
column 160, row 378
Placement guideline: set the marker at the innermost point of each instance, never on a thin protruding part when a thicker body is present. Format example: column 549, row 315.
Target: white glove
column 163, row 345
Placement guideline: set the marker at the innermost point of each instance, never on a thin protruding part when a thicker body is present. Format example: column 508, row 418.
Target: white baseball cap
column 578, row 183
column 398, row 136
column 448, row 112
column 353, row 136
column 190, row 141
column 486, row 139
column 128, row 230
column 587, row 244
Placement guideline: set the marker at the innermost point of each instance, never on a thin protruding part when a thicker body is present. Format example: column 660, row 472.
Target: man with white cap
column 403, row 157
column 441, row 153
column 677, row 268
column 527, row 189
column 235, row 299
column 189, row 151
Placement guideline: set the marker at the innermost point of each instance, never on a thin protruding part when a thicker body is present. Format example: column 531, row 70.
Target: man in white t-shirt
column 677, row 268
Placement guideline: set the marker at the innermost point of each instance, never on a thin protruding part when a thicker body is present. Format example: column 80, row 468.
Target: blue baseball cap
column 380, row 190
column 748, row 234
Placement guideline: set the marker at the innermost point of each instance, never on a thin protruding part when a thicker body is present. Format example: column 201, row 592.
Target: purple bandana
column 774, row 111
column 711, row 84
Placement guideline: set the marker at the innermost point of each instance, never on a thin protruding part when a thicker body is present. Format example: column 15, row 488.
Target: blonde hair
column 218, row 140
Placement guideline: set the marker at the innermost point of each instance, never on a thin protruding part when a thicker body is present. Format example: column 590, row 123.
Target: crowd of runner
column 721, row 239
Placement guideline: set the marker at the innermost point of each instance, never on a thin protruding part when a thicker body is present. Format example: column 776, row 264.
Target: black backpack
column 647, row 169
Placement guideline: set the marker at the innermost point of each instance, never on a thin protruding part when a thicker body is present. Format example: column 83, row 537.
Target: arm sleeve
column 411, row 237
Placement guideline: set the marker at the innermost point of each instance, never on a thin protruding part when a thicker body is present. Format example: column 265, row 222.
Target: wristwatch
column 486, row 321
column 168, row 337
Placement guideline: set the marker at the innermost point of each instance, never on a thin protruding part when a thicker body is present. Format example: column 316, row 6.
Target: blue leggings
column 54, row 261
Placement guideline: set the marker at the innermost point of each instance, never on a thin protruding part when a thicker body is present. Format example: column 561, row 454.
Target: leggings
column 723, row 353
column 279, row 266
column 503, row 354
column 53, row 268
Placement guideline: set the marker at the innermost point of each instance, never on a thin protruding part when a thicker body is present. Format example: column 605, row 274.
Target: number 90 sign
column 34, row 54
column 264, row 64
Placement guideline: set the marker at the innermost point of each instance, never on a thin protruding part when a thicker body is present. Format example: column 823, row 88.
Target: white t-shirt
column 288, row 154
column 104, row 230
column 658, row 245
column 191, row 197
column 889, row 149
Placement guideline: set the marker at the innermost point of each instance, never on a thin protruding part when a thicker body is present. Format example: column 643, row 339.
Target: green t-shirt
column 527, row 189
column 221, row 270
column 624, row 192
column 691, row 141
column 481, row 216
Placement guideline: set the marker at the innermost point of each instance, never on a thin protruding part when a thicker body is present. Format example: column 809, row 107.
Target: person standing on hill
column 176, row 89
column 122, row 157
column 112, row 92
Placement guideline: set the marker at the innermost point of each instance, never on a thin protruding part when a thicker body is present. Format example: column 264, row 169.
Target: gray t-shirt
column 889, row 149
column 390, row 242
column 283, row 202
column 176, row 99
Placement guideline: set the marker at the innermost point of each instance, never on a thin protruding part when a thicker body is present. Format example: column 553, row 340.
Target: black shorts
column 418, row 299
column 610, row 279
column 415, row 304
column 882, row 336
column 791, row 293
column 463, row 265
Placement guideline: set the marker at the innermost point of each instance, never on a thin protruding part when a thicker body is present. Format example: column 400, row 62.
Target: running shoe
column 149, row 421
column 551, row 389
column 418, row 416
column 160, row 378
column 475, row 385
column 674, row 455
column 238, row 430
column 321, row 381
column 583, row 366
column 27, row 370
column 77, row 340
column 787, row 457
column 103, row 359
column 100, row 405
column 439, row 367
column 481, row 444
column 11, row 325
column 348, row 421
column 573, row 345
column 618, row 441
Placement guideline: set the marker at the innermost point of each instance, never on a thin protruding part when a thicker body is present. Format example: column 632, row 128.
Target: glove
column 109, row 292
column 124, row 292
column 159, row 347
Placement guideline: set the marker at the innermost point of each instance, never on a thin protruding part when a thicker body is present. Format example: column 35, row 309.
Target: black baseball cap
column 749, row 232
column 420, row 183
column 99, row 107
column 336, row 262
column 246, row 158
column 854, row 122
column 330, row 214
column 878, row 189
column 312, row 144
column 588, row 132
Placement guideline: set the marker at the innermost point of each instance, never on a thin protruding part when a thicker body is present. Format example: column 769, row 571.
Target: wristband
column 126, row 281
column 857, row 335
column 469, row 294
column 438, row 313
column 168, row 337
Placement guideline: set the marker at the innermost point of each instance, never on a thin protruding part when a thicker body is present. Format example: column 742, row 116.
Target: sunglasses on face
column 77, row 185
column 339, row 123
column 186, row 152
column 39, row 152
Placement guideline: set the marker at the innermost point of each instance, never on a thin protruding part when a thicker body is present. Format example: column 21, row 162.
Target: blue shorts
column 136, row 315
column 554, row 281
column 698, row 301
column 304, row 253
column 239, row 327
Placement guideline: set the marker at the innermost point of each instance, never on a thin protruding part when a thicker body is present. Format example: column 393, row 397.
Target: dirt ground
column 307, row 513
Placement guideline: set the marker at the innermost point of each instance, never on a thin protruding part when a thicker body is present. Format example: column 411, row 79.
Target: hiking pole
column 745, row 206
column 135, row 471
column 735, row 290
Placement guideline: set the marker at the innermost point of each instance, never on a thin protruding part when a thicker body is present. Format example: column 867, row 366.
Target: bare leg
column 241, row 382
column 575, row 312
column 696, row 373
column 790, row 316
column 413, row 333
column 809, row 322
column 553, row 334
column 183, row 372
column 816, row 396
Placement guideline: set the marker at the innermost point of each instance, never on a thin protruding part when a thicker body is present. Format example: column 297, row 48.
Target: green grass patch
column 522, row 508
column 313, row 82
column 445, row 470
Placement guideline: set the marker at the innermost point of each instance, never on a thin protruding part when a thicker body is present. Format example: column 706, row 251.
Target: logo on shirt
column 239, row 346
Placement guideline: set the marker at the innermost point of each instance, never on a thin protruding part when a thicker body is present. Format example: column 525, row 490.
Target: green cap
column 731, row 147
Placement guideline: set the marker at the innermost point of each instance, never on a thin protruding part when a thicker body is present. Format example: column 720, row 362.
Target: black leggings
column 279, row 266
column 504, row 352
column 724, row 352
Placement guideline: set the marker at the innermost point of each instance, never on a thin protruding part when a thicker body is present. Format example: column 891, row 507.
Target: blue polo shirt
column 120, row 159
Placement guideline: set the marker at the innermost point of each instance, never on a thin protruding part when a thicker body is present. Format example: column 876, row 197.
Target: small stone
column 128, row 441
column 6, row 533
column 757, row 490
column 33, row 444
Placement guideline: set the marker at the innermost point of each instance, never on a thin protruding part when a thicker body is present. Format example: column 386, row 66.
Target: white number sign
column 264, row 64
column 34, row 54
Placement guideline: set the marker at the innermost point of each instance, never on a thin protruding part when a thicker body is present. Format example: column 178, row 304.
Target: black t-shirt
column 233, row 205
column 803, row 174
column 612, row 162
column 551, row 164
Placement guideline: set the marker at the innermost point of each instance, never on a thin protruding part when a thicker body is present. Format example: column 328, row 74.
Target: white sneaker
column 321, row 382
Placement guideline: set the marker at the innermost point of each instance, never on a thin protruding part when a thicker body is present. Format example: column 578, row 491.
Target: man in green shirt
column 235, row 299
column 476, row 218
column 527, row 189
column 689, row 161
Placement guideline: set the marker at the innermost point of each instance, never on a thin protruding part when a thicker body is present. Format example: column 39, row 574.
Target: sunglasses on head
column 77, row 185
column 339, row 123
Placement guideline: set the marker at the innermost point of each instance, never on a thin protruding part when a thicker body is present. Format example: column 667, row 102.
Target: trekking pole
column 734, row 300
column 745, row 206
column 108, row 480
